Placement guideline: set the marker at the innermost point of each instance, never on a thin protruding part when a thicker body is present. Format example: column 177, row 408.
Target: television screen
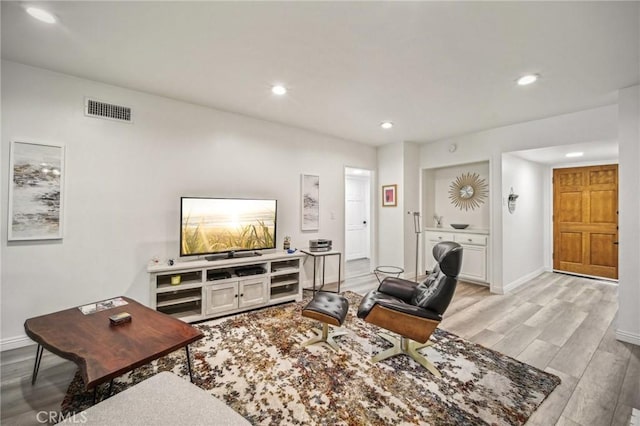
column 224, row 225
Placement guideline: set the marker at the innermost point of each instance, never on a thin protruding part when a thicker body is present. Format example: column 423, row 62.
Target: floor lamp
column 416, row 227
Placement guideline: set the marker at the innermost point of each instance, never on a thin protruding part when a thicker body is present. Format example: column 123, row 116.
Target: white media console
column 203, row 289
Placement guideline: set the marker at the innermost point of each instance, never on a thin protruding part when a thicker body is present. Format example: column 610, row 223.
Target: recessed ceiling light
column 279, row 90
column 574, row 154
column 527, row 79
column 386, row 124
column 41, row 15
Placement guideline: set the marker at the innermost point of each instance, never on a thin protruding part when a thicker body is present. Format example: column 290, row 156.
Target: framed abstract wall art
column 36, row 184
column 310, row 202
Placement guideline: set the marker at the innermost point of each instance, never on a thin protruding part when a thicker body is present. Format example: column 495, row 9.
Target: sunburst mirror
column 468, row 191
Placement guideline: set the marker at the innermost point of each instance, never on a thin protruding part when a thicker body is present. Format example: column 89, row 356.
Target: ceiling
column 436, row 69
column 601, row 151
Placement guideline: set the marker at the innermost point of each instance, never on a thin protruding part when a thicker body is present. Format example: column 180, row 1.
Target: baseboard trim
column 15, row 343
column 513, row 285
column 625, row 336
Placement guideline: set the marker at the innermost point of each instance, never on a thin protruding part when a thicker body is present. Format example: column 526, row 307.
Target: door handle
column 615, row 242
column 364, row 222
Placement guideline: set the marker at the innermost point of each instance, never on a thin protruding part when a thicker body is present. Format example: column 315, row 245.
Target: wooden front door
column 585, row 220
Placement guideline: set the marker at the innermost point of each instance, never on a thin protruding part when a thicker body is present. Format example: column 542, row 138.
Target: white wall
column 523, row 230
column 398, row 163
column 628, row 325
column 411, row 204
column 598, row 124
column 391, row 219
column 124, row 181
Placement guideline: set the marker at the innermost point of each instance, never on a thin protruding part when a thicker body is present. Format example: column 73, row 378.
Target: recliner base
column 326, row 337
column 405, row 346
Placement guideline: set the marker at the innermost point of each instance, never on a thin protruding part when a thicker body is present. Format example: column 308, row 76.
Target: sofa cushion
column 164, row 399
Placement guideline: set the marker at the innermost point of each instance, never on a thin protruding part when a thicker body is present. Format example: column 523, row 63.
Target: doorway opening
column 357, row 190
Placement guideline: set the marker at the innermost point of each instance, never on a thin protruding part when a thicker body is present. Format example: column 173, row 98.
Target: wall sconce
column 511, row 203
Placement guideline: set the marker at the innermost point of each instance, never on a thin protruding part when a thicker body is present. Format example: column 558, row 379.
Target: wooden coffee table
column 103, row 351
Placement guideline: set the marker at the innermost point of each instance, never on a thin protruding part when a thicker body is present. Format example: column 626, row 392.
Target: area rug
column 254, row 362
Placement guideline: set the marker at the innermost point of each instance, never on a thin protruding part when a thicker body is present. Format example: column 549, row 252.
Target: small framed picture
column 389, row 195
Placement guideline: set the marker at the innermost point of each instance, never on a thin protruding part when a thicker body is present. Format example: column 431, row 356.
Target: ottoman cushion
column 330, row 308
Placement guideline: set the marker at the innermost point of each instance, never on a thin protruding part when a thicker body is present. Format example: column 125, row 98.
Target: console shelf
column 280, row 283
column 167, row 288
column 178, row 301
column 208, row 289
column 283, row 271
column 283, row 294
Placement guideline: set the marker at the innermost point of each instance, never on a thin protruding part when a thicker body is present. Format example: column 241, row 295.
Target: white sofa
column 164, row 399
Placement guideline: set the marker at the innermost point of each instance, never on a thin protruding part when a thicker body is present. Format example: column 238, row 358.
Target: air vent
column 106, row 110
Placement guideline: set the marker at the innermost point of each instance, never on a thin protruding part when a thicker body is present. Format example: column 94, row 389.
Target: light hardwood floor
column 357, row 268
column 558, row 323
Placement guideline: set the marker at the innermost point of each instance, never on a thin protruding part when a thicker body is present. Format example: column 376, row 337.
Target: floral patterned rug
column 254, row 362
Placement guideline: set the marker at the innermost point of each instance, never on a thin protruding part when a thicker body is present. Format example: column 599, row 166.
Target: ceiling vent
column 94, row 108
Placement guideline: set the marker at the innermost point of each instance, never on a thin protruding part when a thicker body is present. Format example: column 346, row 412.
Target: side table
column 321, row 257
column 384, row 271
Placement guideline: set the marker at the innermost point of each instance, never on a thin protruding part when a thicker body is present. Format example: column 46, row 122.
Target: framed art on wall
column 468, row 191
column 389, row 195
column 36, row 183
column 310, row 186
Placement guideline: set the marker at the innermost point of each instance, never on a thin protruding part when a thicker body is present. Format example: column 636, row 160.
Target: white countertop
column 331, row 252
column 446, row 228
column 197, row 263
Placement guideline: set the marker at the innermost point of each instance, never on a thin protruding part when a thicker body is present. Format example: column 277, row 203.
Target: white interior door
column 357, row 217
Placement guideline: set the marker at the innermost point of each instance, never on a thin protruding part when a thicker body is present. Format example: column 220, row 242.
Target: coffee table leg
column 189, row 363
column 36, row 365
column 110, row 388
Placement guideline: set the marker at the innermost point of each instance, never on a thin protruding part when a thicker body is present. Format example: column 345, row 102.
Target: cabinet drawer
column 440, row 236
column 253, row 281
column 471, row 239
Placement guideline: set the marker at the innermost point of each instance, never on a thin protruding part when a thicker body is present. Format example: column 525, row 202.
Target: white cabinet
column 230, row 296
column 221, row 298
column 474, row 257
column 252, row 292
column 474, row 263
column 433, row 238
column 200, row 289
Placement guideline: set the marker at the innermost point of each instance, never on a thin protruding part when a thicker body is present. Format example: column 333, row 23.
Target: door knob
column 364, row 222
column 615, row 242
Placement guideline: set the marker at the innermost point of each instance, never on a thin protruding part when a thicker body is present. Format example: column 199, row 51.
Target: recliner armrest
column 410, row 310
column 398, row 287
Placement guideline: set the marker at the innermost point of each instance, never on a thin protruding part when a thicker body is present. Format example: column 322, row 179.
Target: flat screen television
column 210, row 226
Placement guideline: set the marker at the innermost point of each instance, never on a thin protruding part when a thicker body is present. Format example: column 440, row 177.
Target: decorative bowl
column 459, row 225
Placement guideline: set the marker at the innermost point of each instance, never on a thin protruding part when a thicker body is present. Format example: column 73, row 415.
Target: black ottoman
column 328, row 308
